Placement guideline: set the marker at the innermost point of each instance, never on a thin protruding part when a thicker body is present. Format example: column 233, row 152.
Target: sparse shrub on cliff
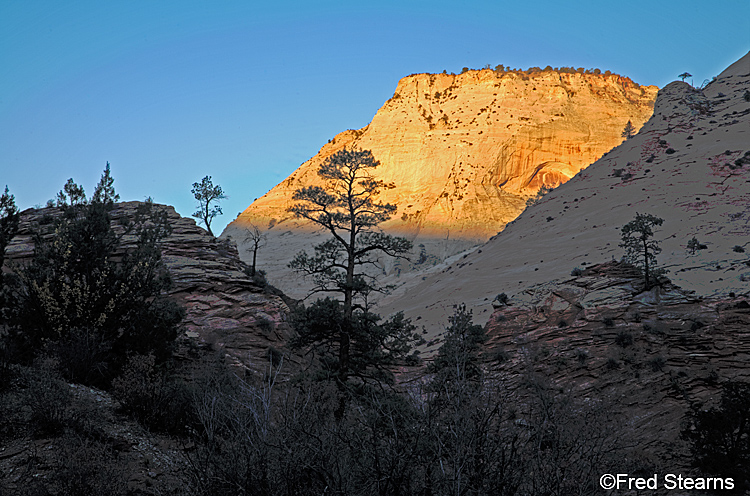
column 657, row 363
column 670, row 151
column 608, row 322
column 264, row 324
column 581, row 355
column 694, row 245
column 612, row 364
column 746, row 96
column 576, row 272
column 738, row 249
column 501, row 299
column 624, row 339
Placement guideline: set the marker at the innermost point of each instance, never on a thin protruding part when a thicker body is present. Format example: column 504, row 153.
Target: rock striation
column 649, row 356
column 465, row 153
column 224, row 308
column 689, row 164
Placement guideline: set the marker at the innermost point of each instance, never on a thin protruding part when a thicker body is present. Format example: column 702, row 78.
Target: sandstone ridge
column 224, row 308
column 465, row 152
column 649, row 355
column 689, row 164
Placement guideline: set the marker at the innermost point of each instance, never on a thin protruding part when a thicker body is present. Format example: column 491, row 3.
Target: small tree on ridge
column 629, row 130
column 640, row 249
column 207, row 194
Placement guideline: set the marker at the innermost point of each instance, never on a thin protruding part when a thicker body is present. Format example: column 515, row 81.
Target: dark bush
column 719, row 437
column 148, row 395
column 624, row 339
column 657, row 363
column 90, row 299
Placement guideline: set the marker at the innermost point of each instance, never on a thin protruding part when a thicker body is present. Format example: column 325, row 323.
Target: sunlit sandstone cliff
column 465, row 153
column 689, row 164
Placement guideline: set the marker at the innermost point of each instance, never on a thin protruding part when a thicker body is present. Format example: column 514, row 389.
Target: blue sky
column 169, row 92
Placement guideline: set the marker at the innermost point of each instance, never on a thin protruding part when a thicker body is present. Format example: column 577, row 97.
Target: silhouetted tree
column 257, row 240
column 9, row 218
column 684, row 75
column 629, row 130
column 348, row 209
column 207, row 195
column 640, row 249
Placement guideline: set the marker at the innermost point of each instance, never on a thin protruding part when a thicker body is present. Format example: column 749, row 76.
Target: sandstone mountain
column 689, row 164
column 465, row 153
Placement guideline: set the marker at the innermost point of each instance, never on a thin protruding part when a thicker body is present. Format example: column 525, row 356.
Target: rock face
column 689, row 164
column 224, row 307
column 465, row 153
column 650, row 356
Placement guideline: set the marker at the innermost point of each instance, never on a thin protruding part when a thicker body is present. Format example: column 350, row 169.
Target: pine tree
column 348, row 209
column 207, row 195
column 629, row 130
column 640, row 249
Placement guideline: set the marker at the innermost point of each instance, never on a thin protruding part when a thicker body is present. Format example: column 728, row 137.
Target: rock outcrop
column 648, row 355
column 465, row 153
column 224, row 308
column 689, row 164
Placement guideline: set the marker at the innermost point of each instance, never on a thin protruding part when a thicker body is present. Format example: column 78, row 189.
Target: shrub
column 145, row 393
column 718, row 436
column 581, row 355
column 576, row 272
column 502, row 298
column 608, row 321
column 46, row 396
column 89, row 298
column 264, row 324
column 670, row 151
column 657, row 363
column 738, row 249
column 694, row 245
column 624, row 339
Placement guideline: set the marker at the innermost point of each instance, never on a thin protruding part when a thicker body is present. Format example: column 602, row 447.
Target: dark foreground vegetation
column 89, row 310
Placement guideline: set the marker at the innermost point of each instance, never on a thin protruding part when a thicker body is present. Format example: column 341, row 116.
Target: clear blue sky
column 169, row 92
